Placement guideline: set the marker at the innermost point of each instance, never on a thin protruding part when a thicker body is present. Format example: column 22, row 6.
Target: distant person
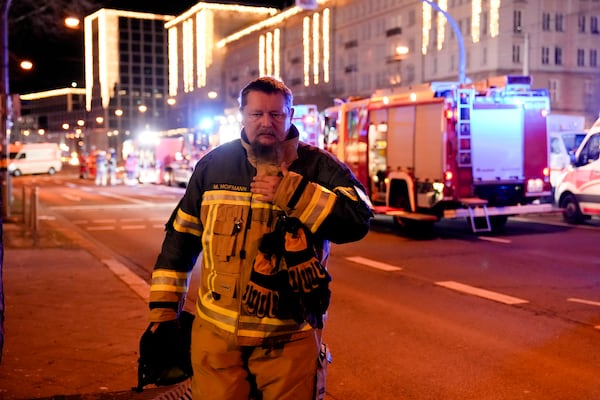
column 260, row 212
column 101, row 169
column 83, row 166
column 112, row 167
column 131, row 169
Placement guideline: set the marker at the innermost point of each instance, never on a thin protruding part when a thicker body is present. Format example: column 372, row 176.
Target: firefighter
column 260, row 211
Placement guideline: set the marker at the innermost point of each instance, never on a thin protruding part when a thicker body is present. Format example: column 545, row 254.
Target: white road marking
column 104, row 221
column 493, row 239
column 130, row 227
column 137, row 284
column 373, row 264
column 583, row 301
column 132, row 219
column 100, row 228
column 486, row 294
column 159, row 226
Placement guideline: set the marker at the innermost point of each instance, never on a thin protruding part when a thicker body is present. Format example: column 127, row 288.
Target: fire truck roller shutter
column 429, row 148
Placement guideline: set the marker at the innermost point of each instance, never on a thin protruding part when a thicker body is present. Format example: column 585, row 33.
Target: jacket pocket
column 227, row 237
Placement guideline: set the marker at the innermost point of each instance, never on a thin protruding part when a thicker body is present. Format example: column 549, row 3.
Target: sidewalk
column 72, row 326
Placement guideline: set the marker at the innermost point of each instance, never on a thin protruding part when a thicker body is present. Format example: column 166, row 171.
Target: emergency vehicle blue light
column 206, row 124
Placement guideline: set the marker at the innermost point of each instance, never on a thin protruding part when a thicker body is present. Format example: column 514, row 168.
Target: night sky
column 58, row 56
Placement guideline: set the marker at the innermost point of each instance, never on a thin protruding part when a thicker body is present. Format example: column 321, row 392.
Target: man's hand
column 265, row 186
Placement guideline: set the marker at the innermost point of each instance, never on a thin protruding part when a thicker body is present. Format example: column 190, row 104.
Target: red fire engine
column 444, row 150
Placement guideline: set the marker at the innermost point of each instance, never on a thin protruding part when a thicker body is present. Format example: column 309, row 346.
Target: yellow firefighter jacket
column 219, row 217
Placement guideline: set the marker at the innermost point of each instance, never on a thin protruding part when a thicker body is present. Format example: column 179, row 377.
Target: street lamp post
column 459, row 38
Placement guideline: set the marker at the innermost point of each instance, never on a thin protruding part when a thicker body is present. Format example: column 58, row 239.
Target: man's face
column 266, row 118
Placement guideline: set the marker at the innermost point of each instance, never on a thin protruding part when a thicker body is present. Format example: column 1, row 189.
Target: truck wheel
column 498, row 222
column 571, row 212
column 414, row 227
column 51, row 171
column 17, row 172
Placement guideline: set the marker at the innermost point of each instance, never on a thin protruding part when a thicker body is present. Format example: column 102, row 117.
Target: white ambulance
column 565, row 134
column 578, row 192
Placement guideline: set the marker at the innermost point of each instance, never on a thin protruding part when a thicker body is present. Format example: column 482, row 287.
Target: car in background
column 578, row 190
column 178, row 173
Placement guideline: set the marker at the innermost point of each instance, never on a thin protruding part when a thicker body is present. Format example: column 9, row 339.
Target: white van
column 578, row 190
column 34, row 158
column 565, row 134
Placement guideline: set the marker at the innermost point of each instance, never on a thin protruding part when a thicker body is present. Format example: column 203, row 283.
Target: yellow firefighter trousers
column 223, row 370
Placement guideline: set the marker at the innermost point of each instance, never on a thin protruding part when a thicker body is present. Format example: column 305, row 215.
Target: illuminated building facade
column 347, row 48
column 50, row 116
column 126, row 69
column 196, row 63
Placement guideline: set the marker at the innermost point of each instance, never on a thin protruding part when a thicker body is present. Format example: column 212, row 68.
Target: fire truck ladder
column 474, row 205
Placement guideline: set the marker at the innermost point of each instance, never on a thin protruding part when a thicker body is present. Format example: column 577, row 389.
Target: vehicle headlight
column 438, row 187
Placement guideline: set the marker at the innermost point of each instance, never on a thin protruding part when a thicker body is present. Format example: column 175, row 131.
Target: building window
column 553, row 89
column 559, row 23
column 517, row 21
column 557, row 56
column 467, row 27
column 412, row 18
column 581, row 23
column 545, row 55
column 484, row 24
column 588, row 87
column 516, row 54
column 593, row 58
column 580, row 58
column 594, row 25
column 545, row 22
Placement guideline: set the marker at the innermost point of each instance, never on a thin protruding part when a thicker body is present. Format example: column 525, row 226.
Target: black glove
column 261, row 297
column 308, row 279
column 165, row 353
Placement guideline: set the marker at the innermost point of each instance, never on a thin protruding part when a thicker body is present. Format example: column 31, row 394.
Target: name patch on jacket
column 230, row 187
